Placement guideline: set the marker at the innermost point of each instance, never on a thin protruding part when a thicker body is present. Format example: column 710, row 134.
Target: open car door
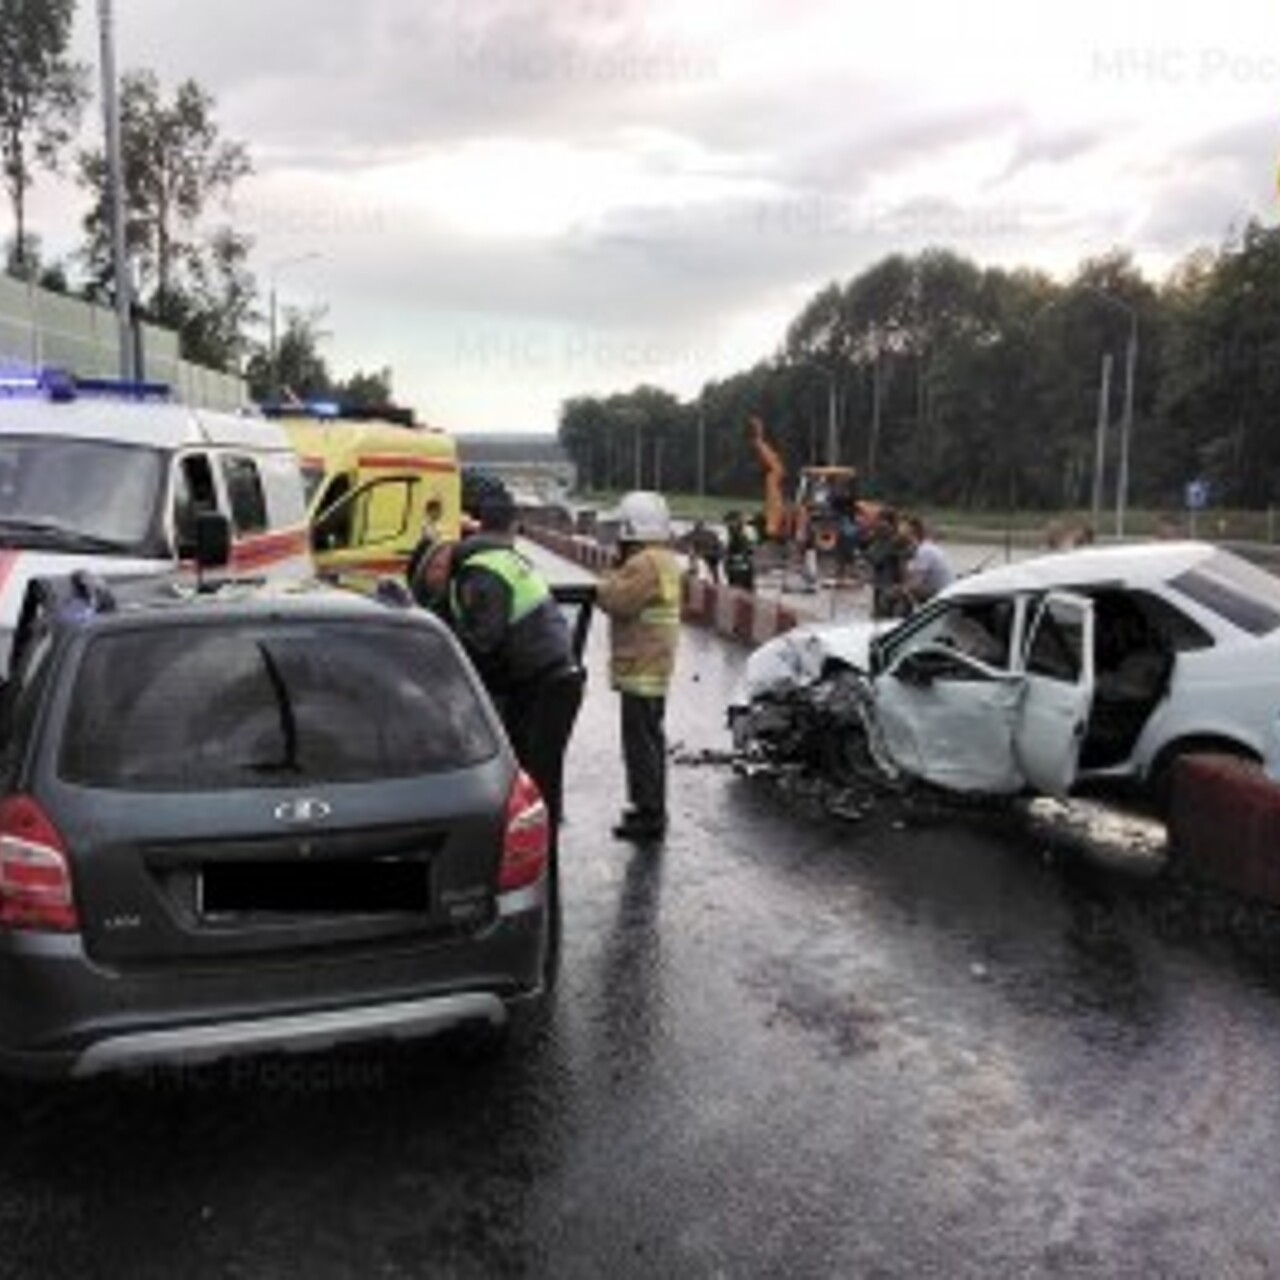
column 948, row 718
column 947, row 695
column 1059, row 683
column 365, row 534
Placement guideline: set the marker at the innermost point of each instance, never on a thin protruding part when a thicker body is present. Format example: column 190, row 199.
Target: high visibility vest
column 527, row 586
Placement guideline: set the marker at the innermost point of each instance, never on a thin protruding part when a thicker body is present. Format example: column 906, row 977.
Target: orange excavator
column 823, row 495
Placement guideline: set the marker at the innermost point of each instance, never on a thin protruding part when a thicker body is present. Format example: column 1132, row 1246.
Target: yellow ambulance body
column 373, row 488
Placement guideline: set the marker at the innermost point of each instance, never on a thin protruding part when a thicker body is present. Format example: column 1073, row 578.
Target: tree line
column 192, row 268
column 950, row 384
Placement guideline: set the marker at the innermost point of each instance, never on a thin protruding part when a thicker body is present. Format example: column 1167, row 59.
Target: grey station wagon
column 253, row 820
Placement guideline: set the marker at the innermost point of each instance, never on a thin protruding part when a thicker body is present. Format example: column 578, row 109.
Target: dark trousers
column 644, row 752
column 539, row 718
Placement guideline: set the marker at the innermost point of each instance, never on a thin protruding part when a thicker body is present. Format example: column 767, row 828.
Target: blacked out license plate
column 329, row 887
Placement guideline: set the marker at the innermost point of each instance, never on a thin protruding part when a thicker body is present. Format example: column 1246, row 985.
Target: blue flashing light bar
column 60, row 386
column 334, row 410
column 125, row 388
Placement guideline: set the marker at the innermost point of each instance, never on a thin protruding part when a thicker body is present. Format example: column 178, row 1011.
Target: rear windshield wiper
column 51, row 534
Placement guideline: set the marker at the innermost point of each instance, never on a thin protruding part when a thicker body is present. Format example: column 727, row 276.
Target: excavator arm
column 775, row 473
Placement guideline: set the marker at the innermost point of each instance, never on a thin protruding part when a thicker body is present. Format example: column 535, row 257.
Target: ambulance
column 112, row 478
column 375, row 483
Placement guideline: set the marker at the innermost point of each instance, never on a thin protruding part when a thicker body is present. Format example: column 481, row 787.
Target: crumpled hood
column 797, row 658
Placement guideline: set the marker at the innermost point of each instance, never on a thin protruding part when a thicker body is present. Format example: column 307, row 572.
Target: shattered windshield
column 59, row 493
column 983, row 629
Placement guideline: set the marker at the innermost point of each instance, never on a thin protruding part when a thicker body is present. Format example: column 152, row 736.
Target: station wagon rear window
column 1243, row 594
column 205, row 708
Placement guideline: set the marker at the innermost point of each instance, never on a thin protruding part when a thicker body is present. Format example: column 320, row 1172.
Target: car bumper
column 309, row 1032
column 63, row 1015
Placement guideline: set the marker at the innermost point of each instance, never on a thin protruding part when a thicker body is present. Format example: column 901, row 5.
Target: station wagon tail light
column 35, row 877
column 527, row 839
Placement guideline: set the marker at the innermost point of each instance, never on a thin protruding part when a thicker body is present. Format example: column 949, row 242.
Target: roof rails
column 335, row 411
column 61, row 386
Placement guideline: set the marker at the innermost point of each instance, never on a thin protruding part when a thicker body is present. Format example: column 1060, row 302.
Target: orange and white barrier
column 735, row 614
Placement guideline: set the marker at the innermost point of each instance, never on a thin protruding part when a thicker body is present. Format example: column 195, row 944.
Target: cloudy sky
column 511, row 202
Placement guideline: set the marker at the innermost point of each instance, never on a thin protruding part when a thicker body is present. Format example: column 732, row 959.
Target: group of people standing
column 503, row 612
column 907, row 565
column 736, row 551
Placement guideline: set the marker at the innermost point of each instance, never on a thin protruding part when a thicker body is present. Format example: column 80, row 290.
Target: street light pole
column 1126, row 422
column 1100, row 439
column 702, row 457
column 114, row 188
column 833, row 433
column 273, row 339
column 1126, row 425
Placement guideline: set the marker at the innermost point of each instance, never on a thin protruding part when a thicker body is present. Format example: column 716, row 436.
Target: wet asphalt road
column 927, row 1044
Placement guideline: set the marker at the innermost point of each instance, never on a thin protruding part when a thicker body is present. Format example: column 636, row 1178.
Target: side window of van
column 244, row 493
column 386, row 512
column 193, row 493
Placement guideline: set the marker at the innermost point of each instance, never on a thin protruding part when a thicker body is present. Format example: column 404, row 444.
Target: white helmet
column 643, row 517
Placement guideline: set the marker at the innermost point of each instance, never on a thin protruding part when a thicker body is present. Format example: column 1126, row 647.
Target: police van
column 375, row 482
column 113, row 477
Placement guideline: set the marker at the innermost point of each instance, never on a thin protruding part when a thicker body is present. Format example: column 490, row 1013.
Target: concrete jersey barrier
column 735, row 614
column 1224, row 824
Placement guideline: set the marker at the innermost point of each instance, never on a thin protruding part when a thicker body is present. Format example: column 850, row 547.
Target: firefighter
column 502, row 610
column 641, row 596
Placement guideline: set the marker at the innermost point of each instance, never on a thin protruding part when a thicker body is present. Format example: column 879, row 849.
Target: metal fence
column 39, row 328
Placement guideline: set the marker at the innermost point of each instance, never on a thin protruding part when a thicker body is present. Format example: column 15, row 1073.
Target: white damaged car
column 1101, row 663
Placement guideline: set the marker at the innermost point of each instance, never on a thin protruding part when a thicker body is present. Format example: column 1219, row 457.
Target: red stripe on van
column 405, row 462
column 266, row 548
column 8, row 561
column 374, row 565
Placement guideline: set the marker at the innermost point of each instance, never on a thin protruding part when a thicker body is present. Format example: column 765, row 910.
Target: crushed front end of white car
column 805, row 701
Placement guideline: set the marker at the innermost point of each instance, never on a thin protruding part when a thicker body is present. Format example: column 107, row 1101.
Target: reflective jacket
column 642, row 598
column 502, row 610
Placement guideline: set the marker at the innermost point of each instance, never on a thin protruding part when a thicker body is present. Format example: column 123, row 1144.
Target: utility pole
column 874, row 444
column 273, row 336
column 1126, row 425
column 833, row 435
column 702, row 457
column 1100, row 439
column 113, row 192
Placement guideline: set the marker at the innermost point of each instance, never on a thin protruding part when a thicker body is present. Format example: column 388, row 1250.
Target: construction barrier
column 1224, row 824
column 735, row 614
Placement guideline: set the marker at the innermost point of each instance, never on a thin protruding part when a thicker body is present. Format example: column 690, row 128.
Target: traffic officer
column 642, row 598
column 502, row 610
